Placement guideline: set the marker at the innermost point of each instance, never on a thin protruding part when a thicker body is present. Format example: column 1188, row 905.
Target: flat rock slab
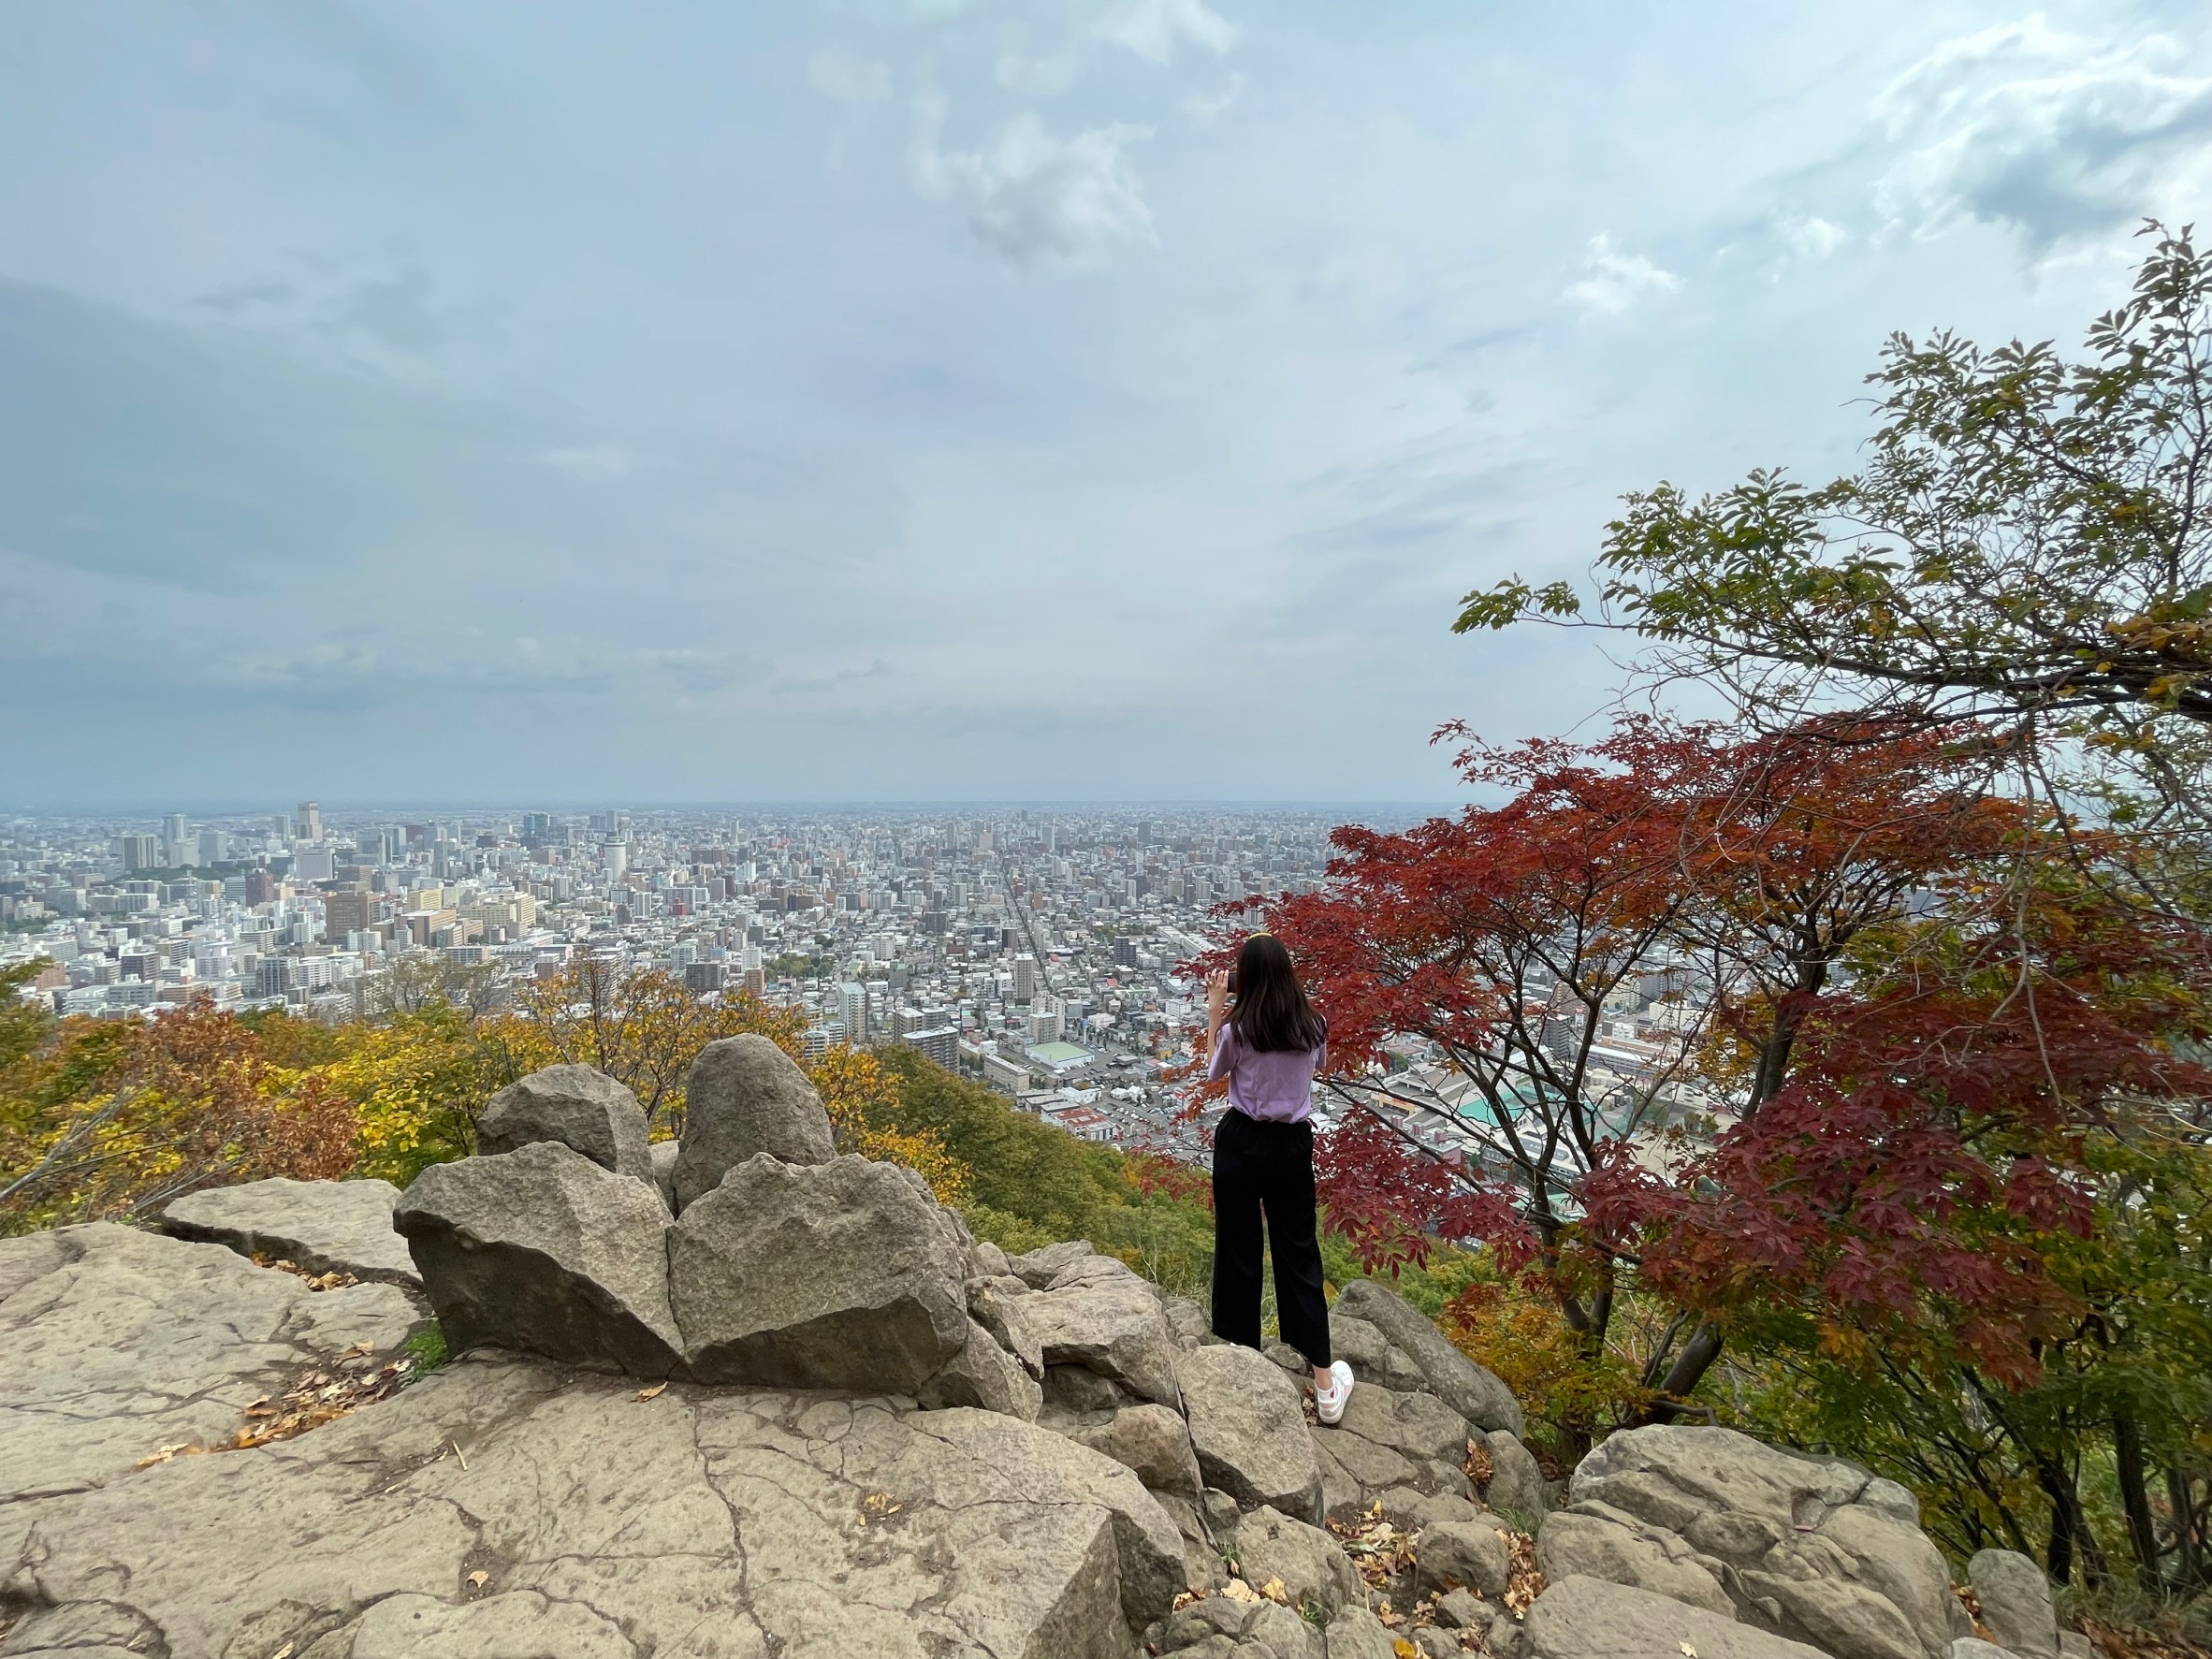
column 323, row 1226
column 697, row 1523
column 1581, row 1618
column 119, row 1343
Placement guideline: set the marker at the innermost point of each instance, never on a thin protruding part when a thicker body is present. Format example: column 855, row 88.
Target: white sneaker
column 1329, row 1403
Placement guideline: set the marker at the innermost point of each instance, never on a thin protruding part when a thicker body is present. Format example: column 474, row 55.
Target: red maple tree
column 1878, row 1018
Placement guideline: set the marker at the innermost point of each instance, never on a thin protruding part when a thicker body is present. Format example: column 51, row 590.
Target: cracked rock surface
column 322, row 1226
column 507, row 1506
column 119, row 1343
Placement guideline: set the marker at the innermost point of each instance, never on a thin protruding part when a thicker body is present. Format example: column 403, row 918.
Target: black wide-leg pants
column 1267, row 1168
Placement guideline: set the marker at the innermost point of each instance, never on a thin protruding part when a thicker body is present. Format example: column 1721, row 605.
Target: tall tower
column 311, row 821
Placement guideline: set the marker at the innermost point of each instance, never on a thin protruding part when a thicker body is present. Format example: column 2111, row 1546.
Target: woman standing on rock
column 1269, row 1045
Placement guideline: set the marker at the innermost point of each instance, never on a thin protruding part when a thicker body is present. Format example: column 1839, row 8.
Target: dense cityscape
column 1043, row 950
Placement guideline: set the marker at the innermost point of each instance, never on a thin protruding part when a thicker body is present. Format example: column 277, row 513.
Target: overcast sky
column 952, row 399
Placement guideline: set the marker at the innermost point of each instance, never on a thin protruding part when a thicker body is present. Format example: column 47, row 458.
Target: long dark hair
column 1271, row 1015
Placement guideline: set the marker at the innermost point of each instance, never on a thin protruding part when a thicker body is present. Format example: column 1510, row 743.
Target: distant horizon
column 271, row 807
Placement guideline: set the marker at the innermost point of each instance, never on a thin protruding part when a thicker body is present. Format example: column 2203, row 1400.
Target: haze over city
column 946, row 402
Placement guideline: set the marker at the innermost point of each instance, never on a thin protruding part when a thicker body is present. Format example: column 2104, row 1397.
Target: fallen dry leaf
column 654, row 1392
column 1688, row 1651
column 1273, row 1591
column 478, row 1578
column 1403, row 1649
column 1236, row 1590
column 282, row 1653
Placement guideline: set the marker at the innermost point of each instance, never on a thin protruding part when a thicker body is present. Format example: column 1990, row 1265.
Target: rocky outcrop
column 1275, row 1548
column 1153, row 1443
column 118, row 1343
column 1389, row 1440
column 1249, row 1429
column 1095, row 1314
column 746, row 1096
column 1468, row 1554
column 2015, row 1602
column 544, row 1251
column 342, row 1226
column 829, row 1276
column 575, row 1107
column 1474, row 1393
column 1815, row 1550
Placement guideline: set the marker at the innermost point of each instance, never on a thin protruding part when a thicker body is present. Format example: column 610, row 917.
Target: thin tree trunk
column 2126, row 1452
column 1685, row 1373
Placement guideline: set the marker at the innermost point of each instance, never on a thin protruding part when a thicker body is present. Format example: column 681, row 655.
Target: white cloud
column 2054, row 134
column 1032, row 195
column 1813, row 237
column 1153, row 28
column 1618, row 282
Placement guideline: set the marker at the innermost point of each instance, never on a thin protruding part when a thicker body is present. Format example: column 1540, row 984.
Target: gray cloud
column 2055, row 134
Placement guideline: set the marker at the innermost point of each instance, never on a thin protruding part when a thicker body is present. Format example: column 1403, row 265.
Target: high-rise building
column 537, row 827
column 174, row 829
column 311, row 821
column 853, row 1002
column 1024, row 978
column 211, row 847
column 1124, row 952
column 345, row 913
column 140, row 853
column 704, row 977
column 941, row 1043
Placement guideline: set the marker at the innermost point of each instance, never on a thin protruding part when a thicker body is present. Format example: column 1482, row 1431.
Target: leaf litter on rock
column 317, row 1396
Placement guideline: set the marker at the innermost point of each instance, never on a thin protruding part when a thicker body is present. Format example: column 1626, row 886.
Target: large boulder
column 746, row 1096
column 817, row 1276
column 544, row 1251
column 1038, row 1268
column 2015, row 1602
column 1579, row 1617
column 576, row 1107
column 505, row 1507
column 996, row 1304
column 1468, row 1553
column 1247, row 1425
column 1599, row 1541
column 1474, row 1393
column 1109, row 1323
column 323, row 1226
column 1153, row 1442
column 1516, row 1484
column 1311, row 1567
column 119, row 1343
column 1818, row 1549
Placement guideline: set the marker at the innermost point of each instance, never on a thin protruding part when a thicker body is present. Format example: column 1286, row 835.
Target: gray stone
column 323, row 1226
column 2074, row 1645
column 119, row 1343
column 573, row 1106
column 1271, row 1545
column 829, row 1276
column 1247, row 1425
column 1358, row 1634
column 996, row 1304
column 989, row 1262
column 1215, row 1615
column 1457, row 1380
column 1516, row 1484
column 2016, row 1601
column 700, row 1522
column 1152, row 1441
column 1973, row 1647
column 1288, row 1360
column 984, row 1375
column 1188, row 1323
column 1419, row 1426
column 1579, row 1617
column 1437, row 1644
column 1469, row 1552
column 1099, row 1270
column 1283, row 1634
column 1827, row 1553
column 661, row 1154
column 1408, row 1507
column 1462, row 1611
column 1038, row 1268
column 1111, row 1325
column 1599, row 1541
column 1083, row 1392
column 746, row 1096
column 543, row 1251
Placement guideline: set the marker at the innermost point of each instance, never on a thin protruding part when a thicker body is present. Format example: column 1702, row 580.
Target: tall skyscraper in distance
column 1024, row 989
column 174, row 829
column 311, row 821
